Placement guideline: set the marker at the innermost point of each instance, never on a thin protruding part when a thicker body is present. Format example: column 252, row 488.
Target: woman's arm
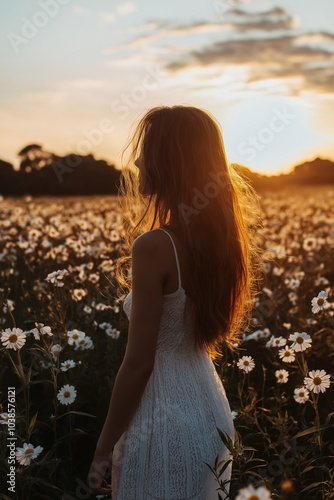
column 148, row 274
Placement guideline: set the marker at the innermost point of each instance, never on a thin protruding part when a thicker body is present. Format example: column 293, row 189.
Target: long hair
column 186, row 172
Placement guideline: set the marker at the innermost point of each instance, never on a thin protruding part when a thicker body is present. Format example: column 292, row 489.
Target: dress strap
column 176, row 256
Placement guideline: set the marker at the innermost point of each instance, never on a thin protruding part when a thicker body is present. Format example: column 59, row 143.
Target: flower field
column 63, row 336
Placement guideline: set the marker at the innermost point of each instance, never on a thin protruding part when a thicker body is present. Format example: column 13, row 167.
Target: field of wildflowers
column 63, row 336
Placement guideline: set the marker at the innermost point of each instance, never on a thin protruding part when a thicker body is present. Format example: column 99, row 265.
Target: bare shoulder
column 149, row 242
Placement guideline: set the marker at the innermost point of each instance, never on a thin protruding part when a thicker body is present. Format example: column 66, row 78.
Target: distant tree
column 33, row 157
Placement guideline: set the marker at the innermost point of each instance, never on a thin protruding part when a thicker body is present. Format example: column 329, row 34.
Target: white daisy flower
column 27, row 453
column 246, row 363
column 277, row 271
column 74, row 336
column 55, row 350
column 4, row 417
column 79, row 293
column 8, row 306
column 112, row 332
column 301, row 395
column 56, row 277
column 66, row 365
column 317, row 381
column 282, row 376
column 40, row 330
column 251, row 493
column 300, row 341
column 310, row 244
column 319, row 303
column 287, row 354
column 13, row 339
column 67, row 394
column 84, row 343
column 276, row 342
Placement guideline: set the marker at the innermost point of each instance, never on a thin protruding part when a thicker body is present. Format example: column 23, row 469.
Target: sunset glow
column 76, row 75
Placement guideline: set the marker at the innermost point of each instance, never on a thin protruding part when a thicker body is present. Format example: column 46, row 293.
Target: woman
column 188, row 221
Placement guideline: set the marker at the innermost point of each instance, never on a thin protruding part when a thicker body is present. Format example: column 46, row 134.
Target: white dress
column 162, row 454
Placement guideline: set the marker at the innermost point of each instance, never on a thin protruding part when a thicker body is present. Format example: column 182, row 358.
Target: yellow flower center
column 287, row 353
column 280, row 375
column 254, row 497
column 320, row 302
column 67, row 394
column 29, row 451
column 299, row 340
column 246, row 363
column 13, row 338
column 301, row 394
column 75, row 336
column 317, row 381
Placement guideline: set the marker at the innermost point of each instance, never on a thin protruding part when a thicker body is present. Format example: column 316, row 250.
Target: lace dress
column 162, row 454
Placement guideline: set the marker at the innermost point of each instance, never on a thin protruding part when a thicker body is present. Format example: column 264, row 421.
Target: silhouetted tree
column 33, row 157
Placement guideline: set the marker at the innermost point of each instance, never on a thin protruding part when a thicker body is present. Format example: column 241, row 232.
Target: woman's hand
column 95, row 477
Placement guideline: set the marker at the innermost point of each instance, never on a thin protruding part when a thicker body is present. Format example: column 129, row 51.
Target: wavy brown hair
column 186, row 173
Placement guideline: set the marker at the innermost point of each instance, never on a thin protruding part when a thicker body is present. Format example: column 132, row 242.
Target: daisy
column 55, row 349
column 300, row 341
column 317, row 381
column 310, row 244
column 276, row 342
column 301, row 395
column 28, row 452
column 282, row 376
column 319, row 303
column 94, row 278
column 74, row 336
column 4, row 417
column 277, row 271
column 56, row 277
column 9, row 306
column 79, row 293
column 41, row 330
column 67, row 394
column 66, row 365
column 251, row 493
column 112, row 332
column 13, row 339
column 246, row 363
column 287, row 354
column 85, row 343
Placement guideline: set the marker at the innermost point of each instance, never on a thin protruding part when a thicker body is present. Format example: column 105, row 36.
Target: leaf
column 75, row 413
column 226, row 464
column 310, row 467
column 329, row 417
column 311, row 430
column 32, row 424
column 226, row 439
column 312, row 486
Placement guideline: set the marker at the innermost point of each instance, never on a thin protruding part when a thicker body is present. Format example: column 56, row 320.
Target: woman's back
column 173, row 433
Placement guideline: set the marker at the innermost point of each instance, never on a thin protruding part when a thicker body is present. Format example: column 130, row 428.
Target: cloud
column 273, row 19
column 270, row 58
column 106, row 17
column 125, row 8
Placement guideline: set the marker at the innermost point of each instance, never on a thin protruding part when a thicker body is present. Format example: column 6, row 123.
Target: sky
column 77, row 75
